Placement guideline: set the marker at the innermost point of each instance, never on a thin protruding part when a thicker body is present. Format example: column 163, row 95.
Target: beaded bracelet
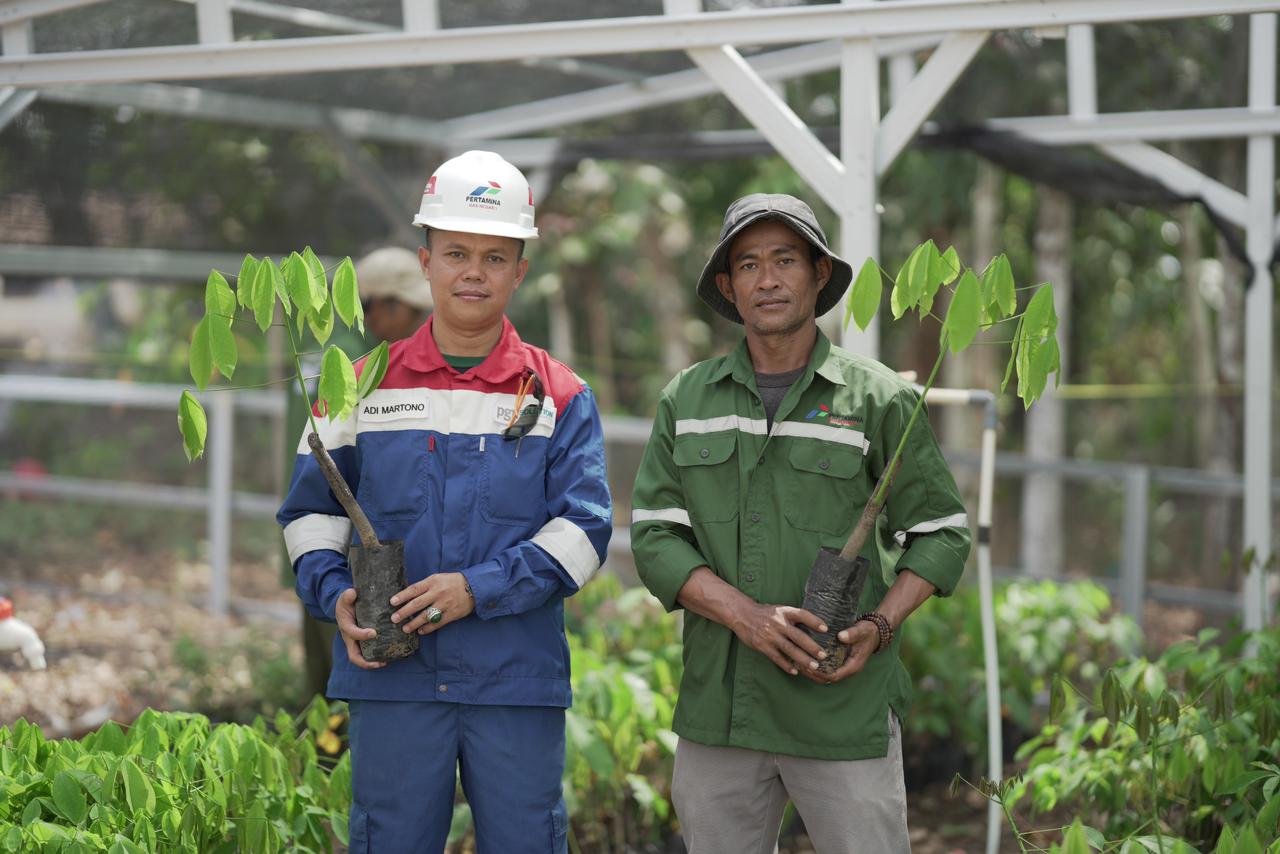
column 883, row 629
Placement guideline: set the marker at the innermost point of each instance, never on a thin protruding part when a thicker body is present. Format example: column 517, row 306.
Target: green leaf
column 264, row 294
column 1042, row 363
column 1013, row 356
column 297, row 281
column 1115, row 699
column 68, row 798
column 1269, row 815
column 998, row 290
column 318, row 284
column 951, row 265
column 110, row 738
column 137, row 789
column 372, row 371
column 346, row 301
column 964, row 314
column 218, row 298
column 281, row 289
column 337, row 384
column 1241, row 782
column 321, row 321
column 1075, row 841
column 934, row 273
column 1057, row 700
column 1142, row 719
column 864, row 298
column 32, row 812
column 1226, row 842
column 192, row 424
column 1247, row 842
column 200, row 355
column 244, row 281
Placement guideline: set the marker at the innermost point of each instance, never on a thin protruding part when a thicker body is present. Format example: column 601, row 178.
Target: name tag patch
column 395, row 405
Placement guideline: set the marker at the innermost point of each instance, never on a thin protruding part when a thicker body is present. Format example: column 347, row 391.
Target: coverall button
column 751, row 576
column 704, row 453
column 824, row 464
column 755, row 517
column 443, row 689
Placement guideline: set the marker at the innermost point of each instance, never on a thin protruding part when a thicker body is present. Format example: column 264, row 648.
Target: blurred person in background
column 393, row 292
column 485, row 457
column 396, row 300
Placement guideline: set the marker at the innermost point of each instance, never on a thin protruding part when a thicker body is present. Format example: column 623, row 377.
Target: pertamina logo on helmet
column 485, row 196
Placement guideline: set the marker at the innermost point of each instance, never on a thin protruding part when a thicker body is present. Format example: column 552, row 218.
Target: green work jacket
column 716, row 488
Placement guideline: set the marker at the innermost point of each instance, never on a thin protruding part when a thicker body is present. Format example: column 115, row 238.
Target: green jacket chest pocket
column 825, row 486
column 708, row 466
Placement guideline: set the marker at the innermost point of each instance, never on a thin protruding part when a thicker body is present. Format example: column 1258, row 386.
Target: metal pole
column 213, row 21
column 221, row 425
column 986, row 598
column 859, row 221
column 1259, row 314
column 1133, row 564
column 421, row 15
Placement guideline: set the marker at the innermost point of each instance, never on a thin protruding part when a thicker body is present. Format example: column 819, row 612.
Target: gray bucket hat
column 758, row 207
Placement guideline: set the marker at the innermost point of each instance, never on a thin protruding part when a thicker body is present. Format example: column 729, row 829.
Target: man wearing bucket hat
column 484, row 457
column 393, row 293
column 758, row 459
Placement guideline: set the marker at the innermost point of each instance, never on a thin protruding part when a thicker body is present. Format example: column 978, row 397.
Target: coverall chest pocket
column 709, row 475
column 513, row 488
column 824, row 491
column 393, row 474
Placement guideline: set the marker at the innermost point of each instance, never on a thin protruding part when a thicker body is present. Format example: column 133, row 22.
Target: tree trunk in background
column 560, row 326
column 976, row 366
column 600, row 331
column 1199, row 349
column 1045, row 430
column 670, row 307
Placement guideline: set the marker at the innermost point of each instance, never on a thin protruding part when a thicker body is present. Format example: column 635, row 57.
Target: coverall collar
column 738, row 364
column 504, row 361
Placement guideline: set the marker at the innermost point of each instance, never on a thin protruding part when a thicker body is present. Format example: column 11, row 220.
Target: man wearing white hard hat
column 485, row 456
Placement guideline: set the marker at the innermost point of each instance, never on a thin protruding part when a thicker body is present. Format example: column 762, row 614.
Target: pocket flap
column 704, row 449
column 826, row 458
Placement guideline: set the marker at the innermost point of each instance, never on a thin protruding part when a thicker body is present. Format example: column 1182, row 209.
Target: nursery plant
column 977, row 300
column 300, row 287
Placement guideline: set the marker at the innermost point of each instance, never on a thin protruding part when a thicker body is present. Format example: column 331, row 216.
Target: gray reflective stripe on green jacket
column 716, row 488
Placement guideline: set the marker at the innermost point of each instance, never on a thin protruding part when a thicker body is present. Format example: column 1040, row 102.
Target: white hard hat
column 393, row 271
column 480, row 193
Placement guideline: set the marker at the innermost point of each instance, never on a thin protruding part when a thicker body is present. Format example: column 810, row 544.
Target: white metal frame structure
column 851, row 35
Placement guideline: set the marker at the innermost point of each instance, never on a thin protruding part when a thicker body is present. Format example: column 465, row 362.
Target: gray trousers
column 730, row 800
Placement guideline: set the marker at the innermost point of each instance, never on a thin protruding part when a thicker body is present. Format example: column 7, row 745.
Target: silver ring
column 434, row 614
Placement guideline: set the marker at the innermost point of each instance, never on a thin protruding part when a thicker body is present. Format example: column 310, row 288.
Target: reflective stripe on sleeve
column 316, row 531
column 571, row 548
column 669, row 514
column 959, row 520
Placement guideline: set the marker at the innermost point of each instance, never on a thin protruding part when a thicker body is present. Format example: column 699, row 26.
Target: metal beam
column 779, row 124
column 1259, row 353
column 102, row 262
column 420, row 15
column 195, row 102
column 15, row 40
column 1212, row 123
column 1179, row 177
column 213, row 21
column 660, row 90
column 15, row 11
column 859, row 138
column 12, row 103
column 923, row 93
column 590, row 38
